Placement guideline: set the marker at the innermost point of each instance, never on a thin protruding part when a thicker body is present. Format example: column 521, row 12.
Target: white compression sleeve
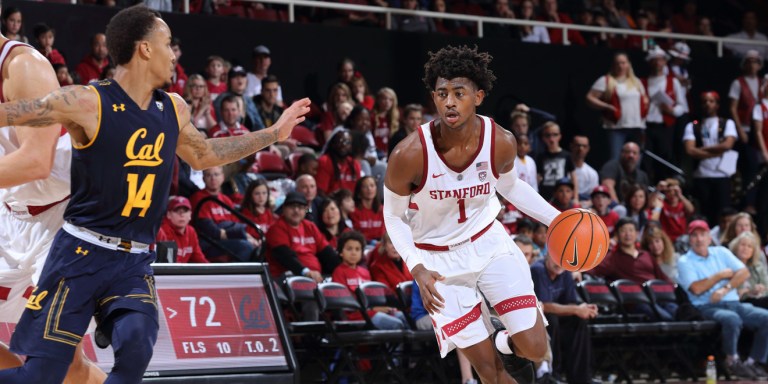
column 525, row 198
column 395, row 207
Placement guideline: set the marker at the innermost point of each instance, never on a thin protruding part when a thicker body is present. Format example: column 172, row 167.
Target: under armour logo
column 81, row 251
column 118, row 107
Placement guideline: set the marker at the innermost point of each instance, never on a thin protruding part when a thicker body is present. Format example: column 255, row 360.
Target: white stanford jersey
column 41, row 192
column 451, row 205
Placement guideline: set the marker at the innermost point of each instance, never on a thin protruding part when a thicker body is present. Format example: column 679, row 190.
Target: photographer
column 671, row 208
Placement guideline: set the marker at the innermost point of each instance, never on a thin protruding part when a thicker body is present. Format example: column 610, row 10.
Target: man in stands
column 588, row 177
column 619, row 173
column 307, row 186
column 218, row 224
column 601, row 199
column 179, row 80
column 93, row 64
column 176, row 228
column 710, row 276
column 296, row 245
column 262, row 60
column 229, row 123
column 236, row 83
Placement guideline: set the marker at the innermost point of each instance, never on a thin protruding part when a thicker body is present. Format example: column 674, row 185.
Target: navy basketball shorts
column 81, row 280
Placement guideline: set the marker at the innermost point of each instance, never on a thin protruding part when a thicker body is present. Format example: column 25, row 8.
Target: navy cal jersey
column 121, row 178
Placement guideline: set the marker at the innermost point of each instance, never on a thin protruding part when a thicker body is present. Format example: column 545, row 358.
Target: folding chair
column 271, row 165
column 305, row 136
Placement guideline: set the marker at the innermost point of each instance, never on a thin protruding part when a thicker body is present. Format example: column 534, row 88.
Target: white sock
column 502, row 343
column 543, row 369
column 749, row 361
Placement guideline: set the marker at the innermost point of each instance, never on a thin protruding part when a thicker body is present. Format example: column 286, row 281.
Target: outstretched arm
column 202, row 153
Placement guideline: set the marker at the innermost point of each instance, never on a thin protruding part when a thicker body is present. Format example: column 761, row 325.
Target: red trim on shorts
column 4, row 293
column 515, row 303
column 459, row 324
column 431, row 247
column 474, row 157
column 28, row 292
column 35, row 210
column 424, row 154
column 493, row 150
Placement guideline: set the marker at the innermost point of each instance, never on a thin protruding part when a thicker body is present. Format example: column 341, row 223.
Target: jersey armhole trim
column 176, row 111
column 493, row 149
column 98, row 123
column 425, row 166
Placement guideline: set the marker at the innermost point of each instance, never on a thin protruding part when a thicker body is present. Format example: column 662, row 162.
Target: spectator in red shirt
column 176, row 228
column 329, row 221
column 629, row 262
column 360, row 91
column 675, row 211
column 257, row 207
column 217, row 223
column 214, row 69
column 368, row 217
column 336, row 168
column 229, row 125
column 350, row 274
column 44, row 36
column 387, row 266
column 346, row 203
column 179, row 79
column 556, row 35
column 307, row 165
column 93, row 64
column 338, row 94
column 601, row 199
column 296, row 245
column 385, row 119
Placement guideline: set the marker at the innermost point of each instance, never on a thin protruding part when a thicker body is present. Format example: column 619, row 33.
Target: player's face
column 331, row 214
column 456, row 100
column 294, row 213
column 260, row 195
column 162, row 61
column 627, row 235
column 180, row 217
column 352, row 252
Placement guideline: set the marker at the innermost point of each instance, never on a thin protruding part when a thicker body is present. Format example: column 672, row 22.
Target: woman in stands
column 622, row 98
column 636, row 200
column 658, row 244
column 329, row 221
column 361, row 92
column 385, row 119
column 741, row 223
column 12, row 26
column 387, row 266
column 755, row 290
column 346, row 203
column 531, row 34
column 199, row 98
column 338, row 94
column 368, row 217
column 257, row 207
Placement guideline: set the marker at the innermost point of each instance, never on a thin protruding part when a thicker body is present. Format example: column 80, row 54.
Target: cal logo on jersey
column 143, row 154
column 34, row 300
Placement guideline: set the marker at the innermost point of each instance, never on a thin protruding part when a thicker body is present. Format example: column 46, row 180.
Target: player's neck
column 134, row 83
column 459, row 136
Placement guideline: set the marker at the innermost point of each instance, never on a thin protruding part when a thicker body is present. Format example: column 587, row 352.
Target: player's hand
column 291, row 117
column 426, row 280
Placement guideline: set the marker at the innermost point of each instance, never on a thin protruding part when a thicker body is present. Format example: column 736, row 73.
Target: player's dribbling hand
column 291, row 117
column 426, row 280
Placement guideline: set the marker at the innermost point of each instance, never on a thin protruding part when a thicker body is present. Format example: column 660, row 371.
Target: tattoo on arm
column 37, row 112
column 230, row 149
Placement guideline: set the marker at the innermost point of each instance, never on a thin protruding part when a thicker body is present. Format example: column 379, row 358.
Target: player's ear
column 144, row 49
column 479, row 97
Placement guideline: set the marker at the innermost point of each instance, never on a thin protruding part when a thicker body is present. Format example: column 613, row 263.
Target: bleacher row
column 626, row 344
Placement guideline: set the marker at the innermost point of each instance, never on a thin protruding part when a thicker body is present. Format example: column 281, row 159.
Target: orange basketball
column 577, row 240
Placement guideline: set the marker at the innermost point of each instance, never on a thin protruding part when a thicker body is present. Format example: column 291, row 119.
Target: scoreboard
column 218, row 323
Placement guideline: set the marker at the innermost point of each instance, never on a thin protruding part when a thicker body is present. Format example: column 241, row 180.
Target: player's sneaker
column 519, row 368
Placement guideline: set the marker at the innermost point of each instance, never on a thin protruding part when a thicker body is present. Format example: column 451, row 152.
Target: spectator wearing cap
column 710, row 275
column 601, row 200
column 93, row 63
column 217, row 223
column 297, row 245
column 588, row 177
column 748, row 32
column 261, row 59
column 563, row 197
column 554, row 163
column 681, row 57
column 619, row 174
column 627, row 261
column 176, row 228
column 229, row 124
column 744, row 95
column 668, row 103
column 236, row 84
column 45, row 36
column 709, row 141
column 675, row 210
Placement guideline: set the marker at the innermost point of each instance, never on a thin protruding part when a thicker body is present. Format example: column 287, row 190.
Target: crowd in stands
column 311, row 205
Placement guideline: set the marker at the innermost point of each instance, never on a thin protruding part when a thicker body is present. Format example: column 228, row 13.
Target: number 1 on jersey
column 462, row 211
column 139, row 197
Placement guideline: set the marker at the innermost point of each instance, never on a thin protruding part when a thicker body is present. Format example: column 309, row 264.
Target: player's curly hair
column 126, row 29
column 452, row 62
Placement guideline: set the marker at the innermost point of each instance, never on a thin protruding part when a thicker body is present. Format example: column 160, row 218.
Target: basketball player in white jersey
column 440, row 207
column 33, row 195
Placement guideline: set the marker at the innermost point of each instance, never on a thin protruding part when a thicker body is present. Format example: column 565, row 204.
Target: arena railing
column 481, row 20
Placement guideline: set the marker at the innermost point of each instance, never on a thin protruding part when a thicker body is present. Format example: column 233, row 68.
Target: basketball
column 577, row 240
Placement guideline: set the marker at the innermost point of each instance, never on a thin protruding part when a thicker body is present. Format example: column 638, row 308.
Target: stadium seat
column 271, row 165
column 305, row 137
column 630, row 294
column 293, row 162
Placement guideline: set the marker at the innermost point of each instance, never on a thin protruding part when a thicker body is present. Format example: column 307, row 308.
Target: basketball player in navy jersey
column 125, row 133
column 440, row 207
column 35, row 188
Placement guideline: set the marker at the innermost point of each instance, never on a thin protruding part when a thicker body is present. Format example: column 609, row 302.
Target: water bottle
column 711, row 370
